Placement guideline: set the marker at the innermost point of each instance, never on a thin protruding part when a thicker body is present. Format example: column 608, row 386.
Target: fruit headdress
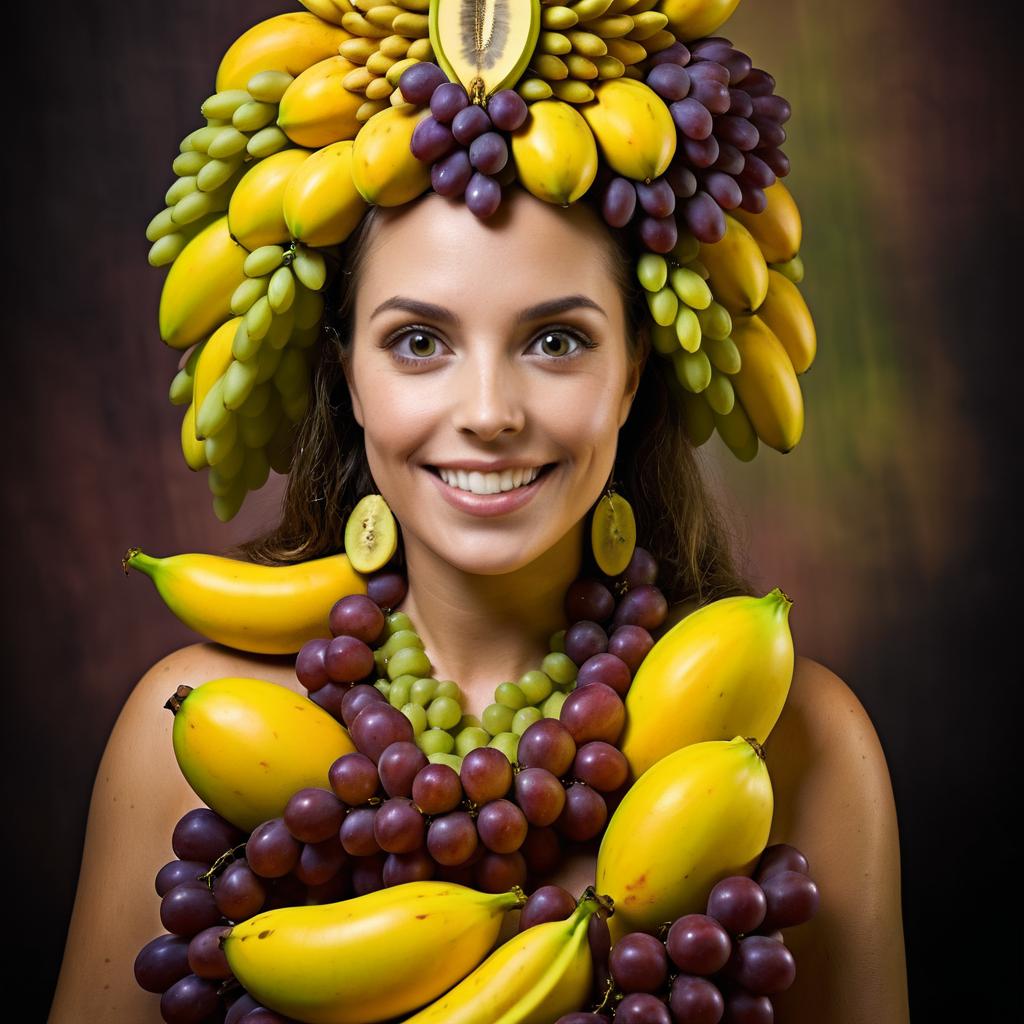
column 319, row 114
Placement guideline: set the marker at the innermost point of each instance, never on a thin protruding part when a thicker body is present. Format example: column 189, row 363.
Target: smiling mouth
column 544, row 470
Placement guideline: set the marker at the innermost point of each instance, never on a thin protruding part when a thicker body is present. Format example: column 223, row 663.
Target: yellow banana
column 317, row 110
column 555, row 153
column 723, row 670
column 787, row 316
column 633, row 127
column 214, row 360
column 736, row 431
column 737, row 268
column 321, row 204
column 384, row 170
column 264, row 609
column 328, row 10
column 193, row 449
column 256, row 211
column 767, row 385
column 533, row 978
column 247, row 746
column 776, row 229
column 697, row 816
column 693, row 19
column 369, row 958
column 288, row 42
column 196, row 296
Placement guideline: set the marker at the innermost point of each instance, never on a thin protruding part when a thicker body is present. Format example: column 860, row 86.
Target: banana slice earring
column 371, row 534
column 613, row 532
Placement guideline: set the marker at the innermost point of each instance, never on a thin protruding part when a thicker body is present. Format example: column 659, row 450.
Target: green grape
column 416, row 715
column 281, row 291
column 399, row 695
column 263, row 261
column 690, row 287
column 380, row 661
column 218, row 483
column 723, row 353
column 557, row 641
column 720, row 394
column 435, row 740
column 269, row 86
column 688, row 329
column 467, row 722
column 399, row 639
column 310, row 268
column 452, row 760
column 239, row 380
column 228, row 143
column 281, row 329
column 309, row 306
column 221, row 444
column 715, row 321
column 160, row 225
column 167, row 249
column 470, row 739
column 686, row 249
column 396, row 621
column 226, row 508
column 292, row 375
column 189, row 163
column 256, row 432
column 384, row 685
column 664, row 339
column 663, row 305
column 693, row 370
column 269, row 359
column 449, row 688
column 181, row 388
column 423, row 690
column 252, row 116
column 552, row 707
column 244, row 346
column 508, row 744
column 652, row 271
column 231, row 465
column 295, row 406
column 224, row 103
column 258, row 318
column 443, row 712
column 510, row 695
column 267, row 142
column 199, row 140
column 256, row 470
column 184, row 186
column 256, row 403
column 412, row 660
column 247, row 293
column 524, row 718
column 193, row 206
column 497, row 718
column 535, row 685
column 560, row 668
column 216, row 173
column 212, row 416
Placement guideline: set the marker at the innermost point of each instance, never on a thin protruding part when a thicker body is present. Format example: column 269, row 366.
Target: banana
column 767, row 385
column 384, row 170
column 321, row 204
column 193, row 449
column 259, row 608
column 693, row 19
column 317, row 110
column 196, row 295
column 777, row 229
column 787, row 316
column 723, row 670
column 256, row 211
column 533, row 978
column 737, row 268
column 737, row 432
column 328, row 10
column 247, row 746
column 633, row 127
column 554, row 152
column 695, row 817
column 213, row 362
column 288, row 42
column 369, row 958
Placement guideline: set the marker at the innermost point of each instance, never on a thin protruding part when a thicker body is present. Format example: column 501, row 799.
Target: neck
column 483, row 630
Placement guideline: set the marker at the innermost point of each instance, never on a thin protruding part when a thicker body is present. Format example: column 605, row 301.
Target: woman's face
column 498, row 342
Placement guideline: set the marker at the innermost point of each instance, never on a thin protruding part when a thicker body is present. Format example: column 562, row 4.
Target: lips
column 490, row 504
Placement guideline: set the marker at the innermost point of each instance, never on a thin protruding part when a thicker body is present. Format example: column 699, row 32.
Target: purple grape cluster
column 719, row 967
column 465, row 144
column 729, row 130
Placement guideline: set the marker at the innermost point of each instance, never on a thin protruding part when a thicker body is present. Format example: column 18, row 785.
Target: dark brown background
column 890, row 525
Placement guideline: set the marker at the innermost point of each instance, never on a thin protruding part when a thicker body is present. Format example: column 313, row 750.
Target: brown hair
column 657, row 468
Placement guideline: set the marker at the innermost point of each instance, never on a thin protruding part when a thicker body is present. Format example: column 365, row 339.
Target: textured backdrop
column 890, row 524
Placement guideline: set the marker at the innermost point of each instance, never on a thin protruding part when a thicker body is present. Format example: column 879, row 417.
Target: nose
column 489, row 398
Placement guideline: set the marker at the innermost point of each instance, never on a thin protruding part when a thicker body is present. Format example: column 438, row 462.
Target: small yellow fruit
column 322, row 206
column 555, row 153
column 256, row 212
column 384, row 170
column 777, row 229
column 787, row 316
column 317, row 110
column 738, row 271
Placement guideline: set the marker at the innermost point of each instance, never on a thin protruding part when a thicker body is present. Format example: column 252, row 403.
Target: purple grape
column 548, row 903
column 190, row 1001
column 272, row 851
column 238, row 892
column 177, row 871
column 763, row 966
column 669, row 81
column 488, row 152
column 498, row 872
column 452, row 838
column 387, row 589
column 368, row 874
column 437, row 789
column 730, row 159
column 418, row 82
column 333, row 890
column 162, row 962
column 642, row 1008
column 631, row 644
column 605, row 668
column 507, row 110
column 738, row 903
column 772, row 108
column 359, row 616
column 348, row 659
column 619, row 202
column 743, row 1007
column 723, row 189
column 754, row 199
column 377, row 726
column 777, row 858
column 740, row 103
column 584, row 639
column 642, row 568
column 357, row 833
column 708, row 71
column 585, row 813
column 312, row 814
column 486, row 774
column 659, row 234
column 601, row 766
column 704, row 218
column 356, row 698
column 758, row 83
column 202, row 834
column 483, row 195
column 240, row 1007
column 771, row 134
column 642, row 606
column 451, row 175
column 712, row 94
column 756, row 172
column 588, row 599
column 400, row 868
column 447, row 100
column 205, row 957
column 695, row 1001
column 502, row 826
column 792, row 899
column 595, row 712
column 540, row 795
column 700, row 154
column 681, row 179
column 738, row 131
column 674, row 54
column 310, row 669
column 331, row 698
column 398, row 826
column 261, row 1015
column 542, row 850
column 398, row 766
column 188, row 908
column 776, row 160
column 547, row 744
column 657, row 199
column 431, row 140
column 469, row 123
column 638, row 963
column 353, row 778
column 698, row 944
column 599, row 939
column 692, row 118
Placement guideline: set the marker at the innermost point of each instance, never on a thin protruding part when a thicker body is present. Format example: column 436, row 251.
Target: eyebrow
column 550, row 307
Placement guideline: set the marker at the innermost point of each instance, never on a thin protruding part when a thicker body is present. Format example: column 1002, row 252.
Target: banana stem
column 137, row 559
column 176, row 699
column 758, row 749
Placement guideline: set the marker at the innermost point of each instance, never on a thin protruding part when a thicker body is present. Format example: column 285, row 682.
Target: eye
column 422, row 344
column 555, row 338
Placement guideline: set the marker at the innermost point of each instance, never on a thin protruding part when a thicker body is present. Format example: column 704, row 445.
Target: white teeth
column 488, row 483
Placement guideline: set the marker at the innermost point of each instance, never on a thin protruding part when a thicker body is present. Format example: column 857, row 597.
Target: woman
column 441, row 364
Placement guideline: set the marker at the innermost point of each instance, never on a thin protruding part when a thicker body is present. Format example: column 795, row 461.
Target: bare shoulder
column 834, row 802
column 199, row 663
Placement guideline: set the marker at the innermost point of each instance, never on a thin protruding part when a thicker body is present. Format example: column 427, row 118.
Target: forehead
column 436, row 249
